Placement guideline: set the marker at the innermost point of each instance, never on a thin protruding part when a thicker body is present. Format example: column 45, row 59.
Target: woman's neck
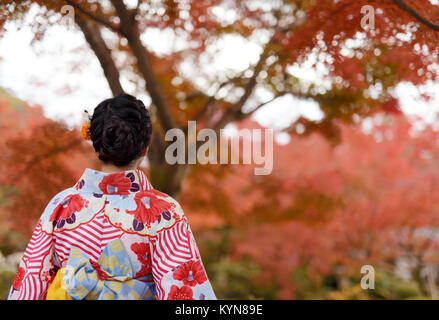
column 111, row 168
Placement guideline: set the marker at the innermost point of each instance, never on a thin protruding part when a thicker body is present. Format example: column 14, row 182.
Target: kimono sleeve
column 177, row 269
column 36, row 269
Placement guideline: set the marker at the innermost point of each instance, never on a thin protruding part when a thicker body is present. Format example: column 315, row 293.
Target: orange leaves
column 331, row 26
column 328, row 32
column 40, row 158
column 36, row 166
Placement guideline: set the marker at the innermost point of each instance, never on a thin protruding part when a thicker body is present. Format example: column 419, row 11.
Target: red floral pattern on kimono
column 65, row 211
column 191, row 273
column 104, row 208
column 183, row 293
column 149, row 207
column 115, row 183
column 18, row 278
column 142, row 252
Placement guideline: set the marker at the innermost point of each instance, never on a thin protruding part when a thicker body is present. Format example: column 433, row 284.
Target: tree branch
column 96, row 18
column 130, row 31
column 415, row 14
column 211, row 99
column 259, row 106
column 94, row 38
column 136, row 11
column 234, row 112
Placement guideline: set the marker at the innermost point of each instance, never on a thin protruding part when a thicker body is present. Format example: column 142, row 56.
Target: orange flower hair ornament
column 85, row 130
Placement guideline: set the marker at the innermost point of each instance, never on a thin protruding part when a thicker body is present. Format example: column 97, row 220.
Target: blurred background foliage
column 356, row 184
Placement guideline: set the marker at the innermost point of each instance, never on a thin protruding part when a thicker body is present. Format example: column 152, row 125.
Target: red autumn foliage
column 369, row 200
column 40, row 158
column 363, row 200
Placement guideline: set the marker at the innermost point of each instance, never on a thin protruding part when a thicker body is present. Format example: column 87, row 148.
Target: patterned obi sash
column 110, row 278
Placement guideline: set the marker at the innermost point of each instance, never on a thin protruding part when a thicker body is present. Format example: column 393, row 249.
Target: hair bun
column 120, row 129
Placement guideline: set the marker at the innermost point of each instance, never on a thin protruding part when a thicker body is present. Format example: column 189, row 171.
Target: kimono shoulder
column 144, row 213
column 54, row 203
column 171, row 211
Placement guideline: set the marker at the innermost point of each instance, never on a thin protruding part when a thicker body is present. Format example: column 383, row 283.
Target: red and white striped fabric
column 39, row 247
column 170, row 249
column 91, row 238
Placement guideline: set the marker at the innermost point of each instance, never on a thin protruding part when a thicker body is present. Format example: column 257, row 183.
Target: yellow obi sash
column 56, row 290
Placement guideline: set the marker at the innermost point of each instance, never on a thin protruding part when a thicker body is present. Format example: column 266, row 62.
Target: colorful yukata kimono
column 112, row 236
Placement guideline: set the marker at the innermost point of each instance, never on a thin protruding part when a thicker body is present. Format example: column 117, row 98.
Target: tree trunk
column 164, row 177
column 94, row 38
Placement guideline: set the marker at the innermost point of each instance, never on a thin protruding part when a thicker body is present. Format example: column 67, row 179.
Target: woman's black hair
column 120, row 129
